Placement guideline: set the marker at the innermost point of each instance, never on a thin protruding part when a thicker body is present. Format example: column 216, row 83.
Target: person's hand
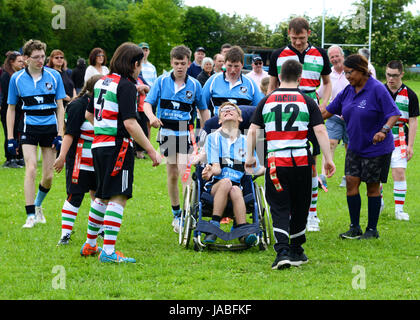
column 59, row 164
column 250, row 165
column 57, row 143
column 142, row 88
column 329, row 167
column 410, row 153
column 155, row 122
column 378, row 137
column 207, row 172
column 155, row 156
column 12, row 147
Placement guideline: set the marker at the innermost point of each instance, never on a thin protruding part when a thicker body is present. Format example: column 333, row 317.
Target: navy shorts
column 85, row 183
column 171, row 145
column 336, row 128
column 43, row 140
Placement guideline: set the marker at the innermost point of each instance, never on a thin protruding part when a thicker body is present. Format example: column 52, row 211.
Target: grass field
column 33, row 267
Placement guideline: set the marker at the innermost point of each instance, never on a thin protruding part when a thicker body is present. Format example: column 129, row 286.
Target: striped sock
column 400, row 190
column 112, row 224
column 68, row 216
column 314, row 201
column 96, row 220
column 381, row 187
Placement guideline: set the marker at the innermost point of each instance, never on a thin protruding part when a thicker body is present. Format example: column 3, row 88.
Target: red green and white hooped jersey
column 106, row 111
column 313, row 65
column 403, row 102
column 286, row 119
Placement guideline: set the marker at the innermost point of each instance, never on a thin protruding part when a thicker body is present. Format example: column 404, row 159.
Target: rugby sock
column 40, row 196
column 96, row 220
column 30, row 210
column 68, row 217
column 374, row 207
column 112, row 224
column 354, row 203
column 314, row 201
column 381, row 187
column 176, row 210
column 400, row 190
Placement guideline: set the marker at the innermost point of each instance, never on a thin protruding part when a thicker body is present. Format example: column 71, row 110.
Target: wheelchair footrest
column 207, row 227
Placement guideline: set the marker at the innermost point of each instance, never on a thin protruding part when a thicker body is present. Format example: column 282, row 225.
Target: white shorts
column 396, row 160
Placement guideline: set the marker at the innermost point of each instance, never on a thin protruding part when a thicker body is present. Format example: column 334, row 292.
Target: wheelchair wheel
column 188, row 212
column 264, row 216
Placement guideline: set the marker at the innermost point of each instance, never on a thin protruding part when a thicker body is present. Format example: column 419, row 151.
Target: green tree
column 157, row 22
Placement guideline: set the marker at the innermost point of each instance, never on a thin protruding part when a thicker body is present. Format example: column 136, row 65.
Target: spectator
column 366, row 53
column 264, row 85
column 195, row 68
column 369, row 112
column 148, row 70
column 257, row 73
column 97, row 63
column 219, row 61
column 78, row 74
column 56, row 62
column 13, row 63
column 207, row 66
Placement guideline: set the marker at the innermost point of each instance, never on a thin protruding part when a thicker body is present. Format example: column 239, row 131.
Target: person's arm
column 136, row 132
column 327, row 90
column 10, row 120
column 251, row 161
column 381, row 135
column 204, row 116
column 324, row 143
column 412, row 122
column 89, row 117
column 273, row 84
column 60, row 117
column 148, row 111
column 65, row 146
column 211, row 170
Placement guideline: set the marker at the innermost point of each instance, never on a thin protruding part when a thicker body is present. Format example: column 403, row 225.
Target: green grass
column 164, row 270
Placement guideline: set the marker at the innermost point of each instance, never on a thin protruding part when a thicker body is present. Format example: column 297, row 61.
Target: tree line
column 167, row 23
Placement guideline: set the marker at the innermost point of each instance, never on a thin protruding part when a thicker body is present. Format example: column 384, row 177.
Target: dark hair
column 226, row 45
column 396, row 64
column 358, row 63
column 298, row 25
column 291, row 70
column 89, row 86
column 124, row 58
column 11, row 57
column 54, row 53
column 235, row 54
column 94, row 53
column 180, row 52
column 32, row 45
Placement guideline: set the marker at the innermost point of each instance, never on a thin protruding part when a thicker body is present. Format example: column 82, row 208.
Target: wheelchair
column 197, row 206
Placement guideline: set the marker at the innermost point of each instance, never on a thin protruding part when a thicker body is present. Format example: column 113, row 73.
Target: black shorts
column 369, row 170
column 171, row 145
column 85, row 183
column 43, row 140
column 104, row 159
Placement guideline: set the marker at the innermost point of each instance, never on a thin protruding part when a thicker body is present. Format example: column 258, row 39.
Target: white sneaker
column 176, row 223
column 313, row 224
column 30, row 222
column 39, row 215
column 400, row 215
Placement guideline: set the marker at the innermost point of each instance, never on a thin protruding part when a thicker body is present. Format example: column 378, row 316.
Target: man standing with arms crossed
column 408, row 103
column 286, row 115
column 315, row 67
column 42, row 92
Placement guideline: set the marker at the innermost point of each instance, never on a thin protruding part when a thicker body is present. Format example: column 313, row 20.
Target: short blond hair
column 228, row 103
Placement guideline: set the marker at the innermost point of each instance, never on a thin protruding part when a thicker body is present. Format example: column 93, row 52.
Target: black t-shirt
column 78, row 77
column 75, row 117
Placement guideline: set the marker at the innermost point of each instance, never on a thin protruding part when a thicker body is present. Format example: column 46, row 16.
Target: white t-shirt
column 91, row 71
column 148, row 72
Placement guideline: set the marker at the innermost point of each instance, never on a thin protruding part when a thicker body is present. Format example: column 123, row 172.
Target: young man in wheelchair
column 225, row 151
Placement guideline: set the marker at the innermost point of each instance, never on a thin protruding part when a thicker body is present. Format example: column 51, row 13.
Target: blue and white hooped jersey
column 231, row 155
column 218, row 90
column 176, row 107
column 39, row 99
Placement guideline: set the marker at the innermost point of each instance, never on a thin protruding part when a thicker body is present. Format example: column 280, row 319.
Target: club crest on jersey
column 48, row 85
column 188, row 94
column 241, row 152
column 243, row 89
column 107, row 81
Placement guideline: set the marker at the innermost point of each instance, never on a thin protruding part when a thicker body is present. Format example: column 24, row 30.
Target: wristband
column 385, row 129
